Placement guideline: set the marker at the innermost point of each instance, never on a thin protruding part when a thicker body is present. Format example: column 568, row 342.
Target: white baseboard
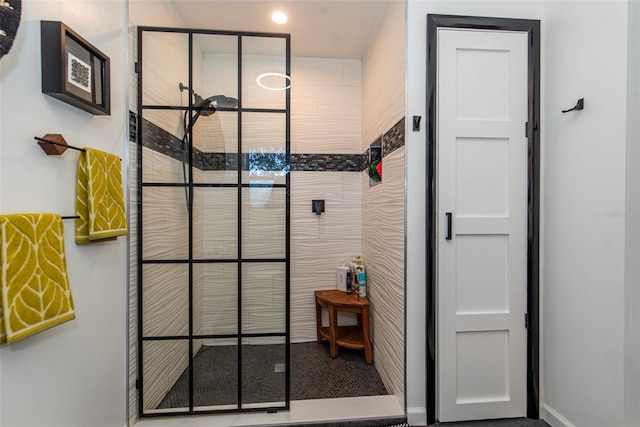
column 417, row 416
column 553, row 417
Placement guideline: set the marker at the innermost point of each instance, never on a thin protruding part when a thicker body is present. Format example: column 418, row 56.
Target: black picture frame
column 73, row 70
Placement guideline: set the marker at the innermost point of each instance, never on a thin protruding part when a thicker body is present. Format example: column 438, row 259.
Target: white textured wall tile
column 383, row 255
column 220, row 299
column 218, row 132
column 220, row 222
column 157, row 167
column 320, row 257
column 255, row 96
column 383, row 104
column 160, row 83
column 316, row 71
column 165, row 223
column 383, row 75
column 308, row 186
column 263, row 298
column 337, row 103
column 263, row 133
column 165, row 299
column 220, row 71
column 304, row 103
column 341, row 136
column 319, row 242
column 220, row 177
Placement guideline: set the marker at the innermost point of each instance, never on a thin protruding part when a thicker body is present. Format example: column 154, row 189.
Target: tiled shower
column 328, row 156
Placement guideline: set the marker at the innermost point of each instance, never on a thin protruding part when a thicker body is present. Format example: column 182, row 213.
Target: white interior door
column 482, row 219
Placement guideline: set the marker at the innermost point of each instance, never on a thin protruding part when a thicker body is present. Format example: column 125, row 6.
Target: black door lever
column 449, row 226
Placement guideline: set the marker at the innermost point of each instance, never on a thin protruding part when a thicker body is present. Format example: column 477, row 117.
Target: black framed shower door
column 213, row 221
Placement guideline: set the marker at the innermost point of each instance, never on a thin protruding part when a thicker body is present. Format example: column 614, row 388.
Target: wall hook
column 579, row 106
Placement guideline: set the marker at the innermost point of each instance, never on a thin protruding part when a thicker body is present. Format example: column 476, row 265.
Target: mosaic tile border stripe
column 157, row 139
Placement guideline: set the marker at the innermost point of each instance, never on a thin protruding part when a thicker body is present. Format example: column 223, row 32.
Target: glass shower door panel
column 264, row 148
column 215, row 219
column 165, row 300
column 263, row 223
column 215, row 69
column 164, row 150
column 263, row 372
column 160, row 84
column 216, row 148
column 165, row 224
column 263, row 300
column 166, row 375
column 263, row 70
column 215, row 376
column 217, row 300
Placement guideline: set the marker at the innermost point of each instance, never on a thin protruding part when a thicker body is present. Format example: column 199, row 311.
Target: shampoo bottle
column 362, row 282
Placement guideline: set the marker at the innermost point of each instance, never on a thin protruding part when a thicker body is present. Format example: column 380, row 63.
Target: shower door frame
column 190, row 185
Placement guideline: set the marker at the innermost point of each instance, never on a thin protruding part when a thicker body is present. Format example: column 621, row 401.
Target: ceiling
column 318, row 28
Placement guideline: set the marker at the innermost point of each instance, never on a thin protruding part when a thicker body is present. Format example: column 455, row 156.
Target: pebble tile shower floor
column 314, row 375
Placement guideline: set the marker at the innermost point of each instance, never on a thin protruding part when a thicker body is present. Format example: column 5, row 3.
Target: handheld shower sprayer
column 204, row 107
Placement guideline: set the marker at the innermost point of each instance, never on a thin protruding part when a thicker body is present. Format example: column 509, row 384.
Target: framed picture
column 73, row 70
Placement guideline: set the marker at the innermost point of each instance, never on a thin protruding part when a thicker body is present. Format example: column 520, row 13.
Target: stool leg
column 318, row 321
column 366, row 335
column 333, row 330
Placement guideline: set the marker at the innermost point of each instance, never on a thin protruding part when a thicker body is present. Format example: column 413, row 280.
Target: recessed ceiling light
column 279, row 17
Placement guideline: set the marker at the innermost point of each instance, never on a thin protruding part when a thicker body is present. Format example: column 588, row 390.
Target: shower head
column 222, row 101
column 218, row 101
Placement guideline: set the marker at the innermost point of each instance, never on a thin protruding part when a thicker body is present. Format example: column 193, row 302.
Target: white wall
column 584, row 205
column 73, row 374
column 583, row 197
column 383, row 105
column 632, row 225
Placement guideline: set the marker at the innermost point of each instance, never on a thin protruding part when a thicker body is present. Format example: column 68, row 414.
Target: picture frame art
column 73, row 70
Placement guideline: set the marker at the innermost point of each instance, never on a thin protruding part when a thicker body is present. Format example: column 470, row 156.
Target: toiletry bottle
column 349, row 290
column 354, row 279
column 362, row 282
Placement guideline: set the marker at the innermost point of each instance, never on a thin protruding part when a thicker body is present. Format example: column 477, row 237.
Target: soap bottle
column 349, row 289
column 362, row 282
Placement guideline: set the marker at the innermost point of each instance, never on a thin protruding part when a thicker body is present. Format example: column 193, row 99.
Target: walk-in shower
column 213, row 276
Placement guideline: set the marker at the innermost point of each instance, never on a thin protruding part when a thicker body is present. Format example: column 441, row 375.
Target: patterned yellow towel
column 99, row 198
column 34, row 282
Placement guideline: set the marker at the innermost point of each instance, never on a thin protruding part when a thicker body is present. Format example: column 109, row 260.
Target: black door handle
column 449, row 226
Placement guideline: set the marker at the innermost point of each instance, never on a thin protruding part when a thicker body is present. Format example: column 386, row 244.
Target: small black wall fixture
column 579, row 106
column 416, row 122
column 317, row 206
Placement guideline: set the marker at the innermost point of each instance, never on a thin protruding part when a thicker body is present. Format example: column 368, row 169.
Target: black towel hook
column 579, row 106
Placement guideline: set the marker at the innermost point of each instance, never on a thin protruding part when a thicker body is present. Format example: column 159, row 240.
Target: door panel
column 482, row 183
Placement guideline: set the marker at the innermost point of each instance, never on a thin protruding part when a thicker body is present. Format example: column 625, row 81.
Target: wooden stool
column 355, row 337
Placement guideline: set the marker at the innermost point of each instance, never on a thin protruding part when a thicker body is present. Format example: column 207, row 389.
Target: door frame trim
column 532, row 28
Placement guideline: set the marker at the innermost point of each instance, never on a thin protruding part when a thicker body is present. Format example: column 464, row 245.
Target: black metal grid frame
column 532, row 28
column 190, row 185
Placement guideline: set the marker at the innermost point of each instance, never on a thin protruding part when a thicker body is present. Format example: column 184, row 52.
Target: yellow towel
column 99, row 197
column 35, row 287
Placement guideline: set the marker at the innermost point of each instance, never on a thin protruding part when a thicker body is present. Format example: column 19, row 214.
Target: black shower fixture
column 208, row 106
